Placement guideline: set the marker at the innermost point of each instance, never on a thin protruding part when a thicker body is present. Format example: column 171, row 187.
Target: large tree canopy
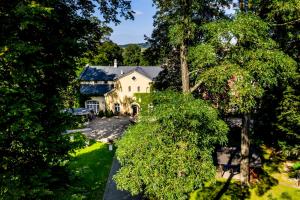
column 175, row 28
column 39, row 41
column 132, row 55
column 279, row 117
column 104, row 54
column 236, row 65
column 168, row 154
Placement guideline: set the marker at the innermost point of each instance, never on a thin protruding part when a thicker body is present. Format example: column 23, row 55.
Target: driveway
column 105, row 129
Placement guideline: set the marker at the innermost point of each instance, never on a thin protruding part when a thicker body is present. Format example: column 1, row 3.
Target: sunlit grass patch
column 89, row 168
column 227, row 191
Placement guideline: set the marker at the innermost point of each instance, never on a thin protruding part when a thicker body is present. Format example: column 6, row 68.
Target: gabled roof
column 88, row 89
column 110, row 73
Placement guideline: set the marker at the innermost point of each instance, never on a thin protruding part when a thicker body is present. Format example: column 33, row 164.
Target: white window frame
column 92, row 105
column 117, row 108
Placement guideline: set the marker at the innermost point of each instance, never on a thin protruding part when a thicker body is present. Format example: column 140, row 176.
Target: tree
column 235, row 66
column 104, row 54
column 39, row 42
column 173, row 155
column 283, row 16
column 288, row 121
column 283, row 19
column 179, row 20
column 132, row 55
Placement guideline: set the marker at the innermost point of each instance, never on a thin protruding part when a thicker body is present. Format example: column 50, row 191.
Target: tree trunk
column 245, row 146
column 184, row 68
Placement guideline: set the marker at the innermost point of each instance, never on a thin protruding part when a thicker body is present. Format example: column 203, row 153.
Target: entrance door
column 135, row 110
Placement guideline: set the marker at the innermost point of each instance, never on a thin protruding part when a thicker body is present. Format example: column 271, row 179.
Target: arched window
column 138, row 88
column 129, row 88
column 117, row 108
column 92, row 105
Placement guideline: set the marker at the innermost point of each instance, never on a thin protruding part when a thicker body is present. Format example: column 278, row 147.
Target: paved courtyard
column 105, row 129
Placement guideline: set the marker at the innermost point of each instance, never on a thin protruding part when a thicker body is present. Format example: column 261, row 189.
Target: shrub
column 168, row 153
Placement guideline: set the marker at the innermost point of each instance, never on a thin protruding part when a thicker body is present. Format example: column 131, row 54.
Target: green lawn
column 232, row 191
column 90, row 168
column 274, row 184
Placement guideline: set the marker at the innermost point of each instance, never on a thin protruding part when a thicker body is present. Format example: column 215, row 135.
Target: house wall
column 123, row 96
column 101, row 101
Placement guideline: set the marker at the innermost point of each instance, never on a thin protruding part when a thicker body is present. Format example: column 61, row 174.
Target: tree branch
column 195, row 87
column 287, row 23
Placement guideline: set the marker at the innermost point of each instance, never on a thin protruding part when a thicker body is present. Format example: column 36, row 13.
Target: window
column 112, row 86
column 117, row 108
column 138, row 88
column 134, row 78
column 92, row 105
column 129, row 88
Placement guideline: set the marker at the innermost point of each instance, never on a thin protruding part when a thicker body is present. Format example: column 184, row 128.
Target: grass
column 232, row 191
column 274, row 184
column 89, row 168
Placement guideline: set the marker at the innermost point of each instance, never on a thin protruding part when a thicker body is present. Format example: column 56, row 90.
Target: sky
column 133, row 31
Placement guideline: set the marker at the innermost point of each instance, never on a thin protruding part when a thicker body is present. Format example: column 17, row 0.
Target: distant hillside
column 142, row 45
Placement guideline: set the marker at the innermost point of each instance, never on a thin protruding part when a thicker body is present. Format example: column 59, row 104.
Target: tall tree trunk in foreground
column 184, row 68
column 245, row 142
column 245, row 146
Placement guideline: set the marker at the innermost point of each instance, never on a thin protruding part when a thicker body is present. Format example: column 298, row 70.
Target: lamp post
column 110, row 144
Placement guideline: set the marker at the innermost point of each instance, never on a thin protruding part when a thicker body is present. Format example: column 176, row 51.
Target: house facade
column 114, row 87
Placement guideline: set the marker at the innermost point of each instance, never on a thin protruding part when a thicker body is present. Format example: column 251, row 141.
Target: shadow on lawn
column 89, row 173
column 229, row 189
column 222, row 190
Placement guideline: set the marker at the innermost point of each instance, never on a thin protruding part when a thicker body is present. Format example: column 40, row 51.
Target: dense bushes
column 168, row 154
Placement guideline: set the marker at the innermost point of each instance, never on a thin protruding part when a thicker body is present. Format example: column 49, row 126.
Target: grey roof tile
column 88, row 89
column 110, row 73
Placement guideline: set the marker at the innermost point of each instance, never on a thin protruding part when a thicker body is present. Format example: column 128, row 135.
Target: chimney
column 115, row 63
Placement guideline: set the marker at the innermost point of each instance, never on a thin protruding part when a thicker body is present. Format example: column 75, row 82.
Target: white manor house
column 113, row 87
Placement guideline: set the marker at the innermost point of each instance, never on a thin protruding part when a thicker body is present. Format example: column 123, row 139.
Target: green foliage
column 169, row 152
column 103, row 55
column 101, row 114
column 176, row 22
column 132, row 55
column 145, row 99
column 288, row 124
column 243, row 63
column 283, row 15
column 108, row 113
column 39, row 42
column 296, row 166
column 77, row 141
column 182, row 32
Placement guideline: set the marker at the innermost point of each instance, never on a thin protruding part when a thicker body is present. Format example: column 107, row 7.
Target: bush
column 101, row 114
column 109, row 113
column 296, row 166
column 168, row 153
